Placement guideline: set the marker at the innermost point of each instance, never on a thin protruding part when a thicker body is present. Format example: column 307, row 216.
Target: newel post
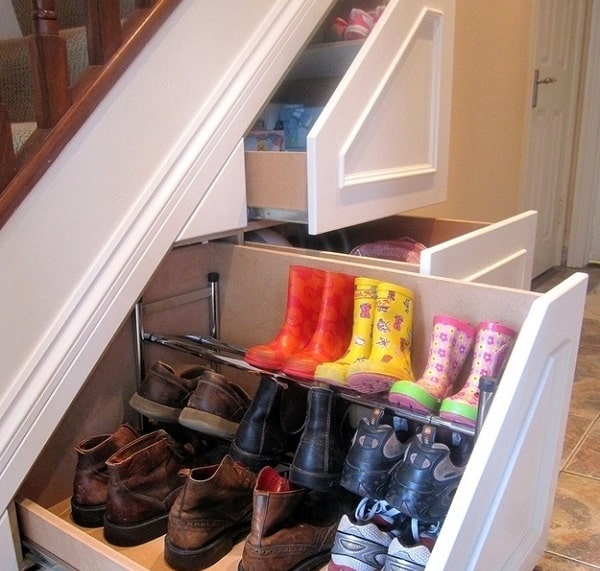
column 49, row 64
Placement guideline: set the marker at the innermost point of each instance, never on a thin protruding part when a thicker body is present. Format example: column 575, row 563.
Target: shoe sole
column 206, row 555
column 153, row 410
column 208, row 423
column 135, row 534
column 87, row 516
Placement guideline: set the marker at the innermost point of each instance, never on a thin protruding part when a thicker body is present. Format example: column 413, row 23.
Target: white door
column 557, row 55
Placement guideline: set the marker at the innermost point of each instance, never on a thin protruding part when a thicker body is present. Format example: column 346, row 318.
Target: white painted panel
column 380, row 145
column 223, row 207
column 512, row 473
column 499, row 254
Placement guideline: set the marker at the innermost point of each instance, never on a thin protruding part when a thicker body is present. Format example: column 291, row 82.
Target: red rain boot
column 305, row 289
column 333, row 331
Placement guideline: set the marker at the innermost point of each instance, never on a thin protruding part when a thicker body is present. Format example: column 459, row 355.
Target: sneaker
column 361, row 544
column 374, row 452
column 423, row 485
column 360, row 24
column 411, row 551
column 402, row 558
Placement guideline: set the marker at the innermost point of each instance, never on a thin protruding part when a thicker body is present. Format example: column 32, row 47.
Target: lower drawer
column 511, row 474
column 499, row 253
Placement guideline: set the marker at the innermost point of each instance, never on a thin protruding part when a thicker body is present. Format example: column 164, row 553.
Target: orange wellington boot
column 333, row 331
column 305, row 290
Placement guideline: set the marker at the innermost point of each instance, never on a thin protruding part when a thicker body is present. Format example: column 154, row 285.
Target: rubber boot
column 365, row 294
column 319, row 457
column 144, row 480
column 451, row 341
column 261, row 439
column 333, row 331
column 492, row 344
column 305, row 290
column 290, row 528
column 212, row 513
column 90, row 483
column 392, row 342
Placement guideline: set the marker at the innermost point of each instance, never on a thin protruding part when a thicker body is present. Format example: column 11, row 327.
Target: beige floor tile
column 576, row 428
column 585, row 397
column 586, row 460
column 575, row 528
column 556, row 563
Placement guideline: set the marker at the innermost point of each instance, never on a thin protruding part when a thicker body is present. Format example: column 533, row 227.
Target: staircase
column 115, row 32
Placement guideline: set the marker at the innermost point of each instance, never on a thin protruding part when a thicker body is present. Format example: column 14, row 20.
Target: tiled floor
column 574, row 539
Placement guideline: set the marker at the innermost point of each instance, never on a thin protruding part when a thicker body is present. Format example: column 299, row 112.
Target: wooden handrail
column 19, row 176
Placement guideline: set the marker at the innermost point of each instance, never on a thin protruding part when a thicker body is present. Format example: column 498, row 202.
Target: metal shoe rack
column 216, row 351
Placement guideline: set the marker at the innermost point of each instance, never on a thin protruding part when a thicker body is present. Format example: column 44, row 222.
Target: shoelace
column 425, row 534
column 377, row 511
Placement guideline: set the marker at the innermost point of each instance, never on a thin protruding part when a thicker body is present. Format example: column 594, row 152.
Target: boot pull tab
column 376, row 415
column 428, row 435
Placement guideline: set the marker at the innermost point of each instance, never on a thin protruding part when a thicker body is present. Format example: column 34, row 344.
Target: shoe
column 422, row 486
column 492, row 345
column 451, row 341
column 215, row 407
column 292, row 528
column 210, row 515
column 374, row 452
column 361, row 542
column 391, row 345
column 144, row 479
column 365, row 294
column 261, row 439
column 360, row 24
column 319, row 457
column 90, row 483
column 332, row 332
column 410, row 551
column 305, row 289
column 163, row 393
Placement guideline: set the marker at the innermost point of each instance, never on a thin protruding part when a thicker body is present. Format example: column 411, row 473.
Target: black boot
column 261, row 439
column 319, row 458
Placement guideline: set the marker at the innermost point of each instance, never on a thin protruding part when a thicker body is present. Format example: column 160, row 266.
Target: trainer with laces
column 361, row 542
column 375, row 450
column 423, row 485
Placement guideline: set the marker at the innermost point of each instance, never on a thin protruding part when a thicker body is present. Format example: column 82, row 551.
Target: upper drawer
column 380, row 143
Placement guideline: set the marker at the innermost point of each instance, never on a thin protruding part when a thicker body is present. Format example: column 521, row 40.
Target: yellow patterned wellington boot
column 365, row 294
column 391, row 342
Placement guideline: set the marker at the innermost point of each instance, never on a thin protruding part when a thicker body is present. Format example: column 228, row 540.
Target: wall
column 489, row 102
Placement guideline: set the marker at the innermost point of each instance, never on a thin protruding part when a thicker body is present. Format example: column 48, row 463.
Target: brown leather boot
column 216, row 406
column 88, row 502
column 291, row 528
column 164, row 392
column 211, row 514
column 143, row 484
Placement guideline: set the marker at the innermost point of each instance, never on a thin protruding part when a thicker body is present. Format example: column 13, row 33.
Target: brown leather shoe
column 292, row 529
column 163, row 393
column 210, row 515
column 215, row 407
column 88, row 502
column 143, row 482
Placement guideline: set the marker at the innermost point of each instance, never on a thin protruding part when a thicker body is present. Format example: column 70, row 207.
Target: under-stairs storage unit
column 511, row 474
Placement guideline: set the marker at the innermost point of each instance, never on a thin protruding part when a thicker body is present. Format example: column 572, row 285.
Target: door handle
column 536, row 82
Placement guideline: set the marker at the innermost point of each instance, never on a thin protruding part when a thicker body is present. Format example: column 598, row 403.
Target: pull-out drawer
column 510, row 477
column 380, row 142
column 500, row 253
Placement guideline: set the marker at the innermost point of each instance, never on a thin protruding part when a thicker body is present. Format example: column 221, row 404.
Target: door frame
column 585, row 201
